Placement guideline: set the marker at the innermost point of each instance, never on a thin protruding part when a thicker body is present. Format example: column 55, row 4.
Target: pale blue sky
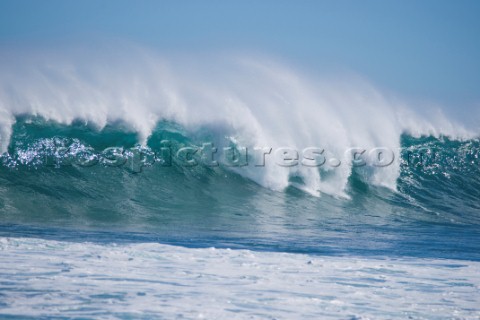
column 421, row 49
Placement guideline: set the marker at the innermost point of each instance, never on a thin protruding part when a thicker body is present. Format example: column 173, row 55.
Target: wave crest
column 254, row 102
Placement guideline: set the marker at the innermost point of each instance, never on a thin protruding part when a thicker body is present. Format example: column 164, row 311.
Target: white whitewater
column 254, row 101
column 144, row 280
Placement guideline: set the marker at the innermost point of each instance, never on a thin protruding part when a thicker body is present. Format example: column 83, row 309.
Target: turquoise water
column 113, row 203
column 435, row 212
column 85, row 239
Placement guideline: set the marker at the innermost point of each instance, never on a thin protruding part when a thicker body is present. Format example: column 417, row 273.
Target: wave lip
column 253, row 102
column 39, row 144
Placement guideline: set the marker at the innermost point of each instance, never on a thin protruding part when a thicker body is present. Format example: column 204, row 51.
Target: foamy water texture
column 145, row 280
column 256, row 102
column 107, row 242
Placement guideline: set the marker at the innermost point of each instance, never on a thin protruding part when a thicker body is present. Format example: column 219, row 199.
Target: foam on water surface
column 144, row 280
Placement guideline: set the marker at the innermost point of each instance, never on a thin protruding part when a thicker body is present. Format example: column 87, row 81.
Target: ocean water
column 103, row 215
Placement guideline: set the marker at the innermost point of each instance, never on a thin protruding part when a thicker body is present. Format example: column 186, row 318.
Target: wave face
column 57, row 107
column 255, row 102
column 433, row 210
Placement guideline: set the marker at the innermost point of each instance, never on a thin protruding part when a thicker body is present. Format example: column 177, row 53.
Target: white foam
column 45, row 278
column 260, row 102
